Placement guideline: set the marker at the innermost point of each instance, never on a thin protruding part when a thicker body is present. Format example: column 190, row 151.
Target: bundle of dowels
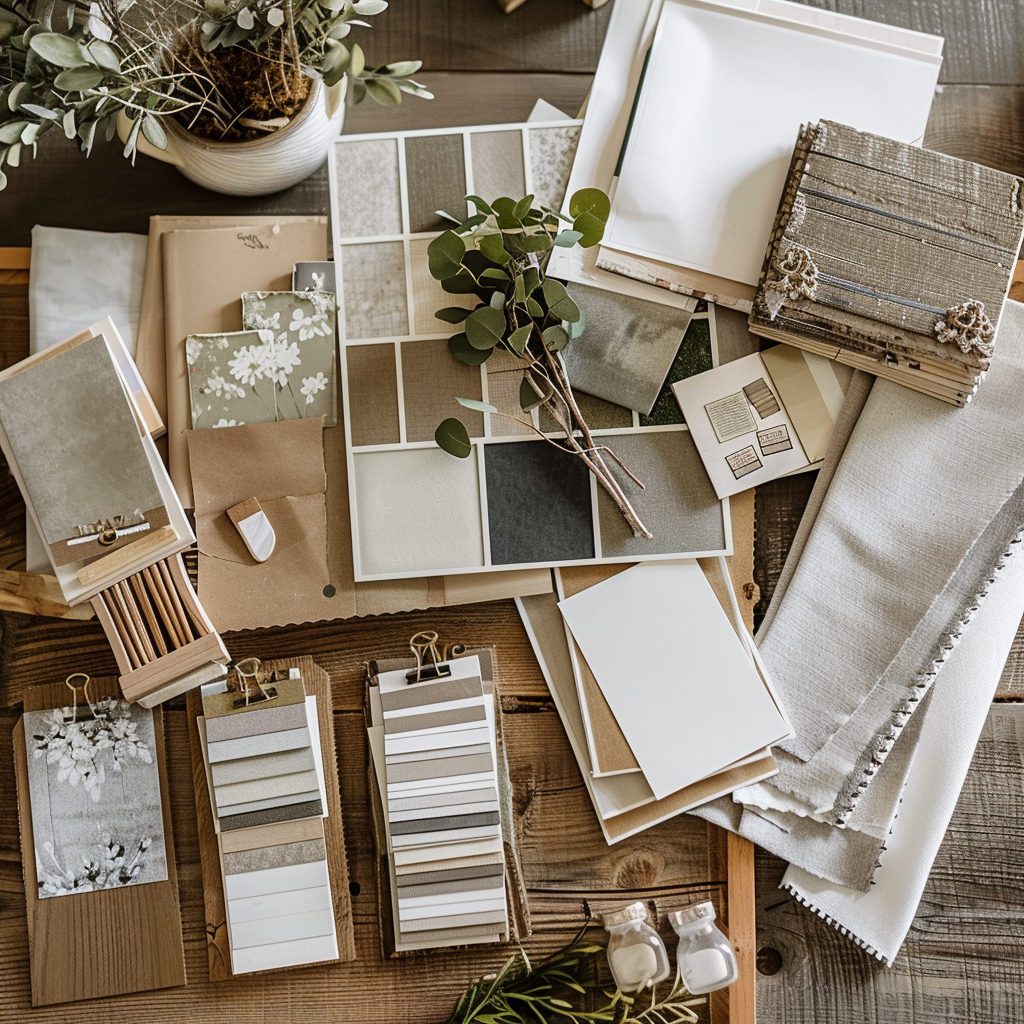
column 162, row 638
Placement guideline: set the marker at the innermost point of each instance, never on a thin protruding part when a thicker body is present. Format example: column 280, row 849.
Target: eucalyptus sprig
column 520, row 993
column 500, row 255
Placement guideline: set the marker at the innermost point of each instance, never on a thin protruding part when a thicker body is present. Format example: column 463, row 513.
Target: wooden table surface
column 963, row 958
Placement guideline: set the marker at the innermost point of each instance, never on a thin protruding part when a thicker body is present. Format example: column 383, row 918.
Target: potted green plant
column 243, row 96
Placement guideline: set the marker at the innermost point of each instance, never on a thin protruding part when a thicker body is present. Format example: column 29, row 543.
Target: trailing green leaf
column 459, row 346
column 590, row 209
column 476, row 405
column 485, row 327
column 444, row 255
column 453, row 314
column 558, row 301
column 451, row 436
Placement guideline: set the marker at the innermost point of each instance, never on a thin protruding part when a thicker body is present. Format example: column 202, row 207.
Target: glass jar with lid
column 705, row 958
column 636, row 955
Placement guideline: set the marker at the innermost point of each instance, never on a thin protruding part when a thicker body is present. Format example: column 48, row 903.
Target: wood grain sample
column 104, row 943
column 318, row 683
column 892, row 259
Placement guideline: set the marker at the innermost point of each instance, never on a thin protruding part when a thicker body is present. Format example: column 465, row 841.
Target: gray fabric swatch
column 627, row 348
column 432, row 877
column 256, row 722
column 435, row 167
column 430, row 693
column 465, row 884
column 286, row 762
column 268, row 802
column 538, row 504
column 447, row 824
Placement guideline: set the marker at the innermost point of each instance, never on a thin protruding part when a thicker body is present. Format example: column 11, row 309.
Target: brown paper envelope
column 149, row 339
column 281, row 464
column 205, row 273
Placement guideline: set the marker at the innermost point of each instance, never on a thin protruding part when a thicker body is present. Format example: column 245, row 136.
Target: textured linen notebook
column 696, row 218
column 893, row 259
column 87, row 467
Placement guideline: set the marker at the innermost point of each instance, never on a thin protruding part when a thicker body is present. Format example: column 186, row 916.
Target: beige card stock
column 282, row 465
column 205, row 273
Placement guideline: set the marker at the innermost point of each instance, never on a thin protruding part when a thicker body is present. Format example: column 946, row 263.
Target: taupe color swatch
column 248, row 746
column 498, row 165
column 448, row 863
column 440, row 768
column 427, row 826
column 369, row 169
column 435, row 719
column 280, row 834
column 435, row 169
column 258, row 720
column 374, row 292
column 465, row 883
column 430, row 693
column 308, row 809
column 274, row 857
column 469, row 874
column 373, row 394
column 420, row 755
column 264, row 766
column 681, row 509
column 271, row 802
column 432, row 379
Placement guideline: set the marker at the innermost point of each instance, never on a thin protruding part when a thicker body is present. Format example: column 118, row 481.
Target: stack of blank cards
column 266, row 787
column 435, row 761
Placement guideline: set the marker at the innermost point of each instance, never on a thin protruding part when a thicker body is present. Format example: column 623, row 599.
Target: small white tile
column 296, row 901
column 271, row 880
column 284, row 954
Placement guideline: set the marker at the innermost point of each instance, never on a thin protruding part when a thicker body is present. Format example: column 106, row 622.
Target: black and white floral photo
column 94, row 790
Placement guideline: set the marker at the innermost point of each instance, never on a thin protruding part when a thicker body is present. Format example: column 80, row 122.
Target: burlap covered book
column 890, row 258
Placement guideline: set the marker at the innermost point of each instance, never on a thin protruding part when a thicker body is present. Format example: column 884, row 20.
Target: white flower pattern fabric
column 280, row 367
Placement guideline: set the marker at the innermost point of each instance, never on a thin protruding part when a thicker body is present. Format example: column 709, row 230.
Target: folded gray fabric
column 79, row 277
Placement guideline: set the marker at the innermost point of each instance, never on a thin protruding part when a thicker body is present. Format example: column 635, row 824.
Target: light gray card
column 94, row 791
column 301, row 326
column 627, row 347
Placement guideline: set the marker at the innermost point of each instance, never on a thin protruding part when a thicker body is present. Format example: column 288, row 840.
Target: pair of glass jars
column 638, row 958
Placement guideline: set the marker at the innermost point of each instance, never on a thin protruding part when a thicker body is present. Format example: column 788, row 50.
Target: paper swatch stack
column 266, row 785
column 435, row 760
column 664, row 703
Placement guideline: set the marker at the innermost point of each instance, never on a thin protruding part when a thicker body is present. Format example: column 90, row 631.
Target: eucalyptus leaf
column 19, row 94
column 104, row 55
column 590, row 209
column 485, row 327
column 451, row 436
column 479, row 204
column 87, row 133
column 473, row 222
column 535, row 243
column 358, row 61
column 559, row 302
column 444, row 255
column 567, row 238
column 11, row 133
column 369, row 7
column 78, row 79
column 460, row 347
column 491, row 246
column 494, row 274
column 475, row 404
column 133, row 138
column 31, row 133
column 520, row 289
column 522, row 208
column 386, row 93
column 57, row 49
column 463, row 283
column 404, row 68
column 3, row 181
column 154, row 131
column 245, row 19
column 453, row 314
column 555, row 338
column 574, row 330
column 531, row 279
column 275, row 17
column 528, row 397
column 518, row 339
column 44, row 112
column 69, row 123
column 535, row 309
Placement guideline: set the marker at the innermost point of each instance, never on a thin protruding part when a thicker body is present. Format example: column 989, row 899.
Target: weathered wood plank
column 961, row 961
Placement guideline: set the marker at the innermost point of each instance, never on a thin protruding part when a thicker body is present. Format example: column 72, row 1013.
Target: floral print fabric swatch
column 280, row 368
column 94, row 790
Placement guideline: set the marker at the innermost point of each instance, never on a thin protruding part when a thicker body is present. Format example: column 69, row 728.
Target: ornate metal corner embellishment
column 798, row 279
column 968, row 327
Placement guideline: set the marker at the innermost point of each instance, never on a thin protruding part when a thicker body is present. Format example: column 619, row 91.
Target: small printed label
column 743, row 462
column 774, row 439
column 730, row 416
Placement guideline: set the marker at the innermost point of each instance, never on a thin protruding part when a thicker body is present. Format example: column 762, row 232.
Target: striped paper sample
column 439, row 789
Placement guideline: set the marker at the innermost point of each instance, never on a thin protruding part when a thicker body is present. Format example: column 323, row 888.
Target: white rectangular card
column 677, row 678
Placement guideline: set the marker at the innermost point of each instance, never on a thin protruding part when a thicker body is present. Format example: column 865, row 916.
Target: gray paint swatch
column 465, row 884
column 274, row 857
column 498, row 165
column 431, row 877
column 308, row 809
column 439, row 768
column 538, row 504
column 256, row 722
column 431, row 693
column 425, row 825
column 434, row 719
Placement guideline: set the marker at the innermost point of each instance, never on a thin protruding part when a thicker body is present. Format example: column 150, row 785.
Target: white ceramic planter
column 279, row 160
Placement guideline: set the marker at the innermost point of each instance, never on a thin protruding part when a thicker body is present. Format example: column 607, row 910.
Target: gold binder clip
column 89, row 713
column 246, row 676
column 430, row 659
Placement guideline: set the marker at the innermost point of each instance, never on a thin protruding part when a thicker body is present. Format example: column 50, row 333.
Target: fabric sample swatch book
column 267, row 791
column 434, row 756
